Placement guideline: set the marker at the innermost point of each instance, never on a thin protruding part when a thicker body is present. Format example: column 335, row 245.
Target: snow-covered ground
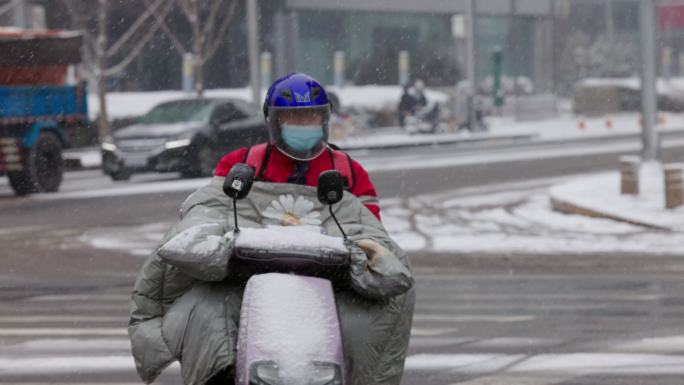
column 519, row 220
column 601, row 193
column 507, row 219
column 132, row 104
column 671, row 87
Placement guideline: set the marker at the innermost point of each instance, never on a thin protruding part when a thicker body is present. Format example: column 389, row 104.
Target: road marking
column 472, row 363
column 14, row 332
column 515, row 342
column 70, row 382
column 669, row 344
column 458, row 294
column 518, row 379
column 79, row 297
column 419, row 332
column 605, row 363
column 69, row 364
column 37, row 307
column 420, row 308
column 61, row 318
column 63, row 345
column 472, row 318
column 577, row 363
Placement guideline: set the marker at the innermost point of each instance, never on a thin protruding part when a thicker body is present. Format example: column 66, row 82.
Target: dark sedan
column 188, row 135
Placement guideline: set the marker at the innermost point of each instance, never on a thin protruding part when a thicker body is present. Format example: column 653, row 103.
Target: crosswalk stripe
column 439, row 295
column 61, row 318
column 70, row 383
column 6, row 332
column 519, row 379
column 69, row 364
column 39, row 307
column 503, row 309
column 577, row 363
column 30, row 332
column 79, row 297
column 472, row 318
column 63, row 345
column 604, row 363
column 419, row 332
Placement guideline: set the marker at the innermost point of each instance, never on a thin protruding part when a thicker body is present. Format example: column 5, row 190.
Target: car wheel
column 206, row 160
column 203, row 163
column 121, row 175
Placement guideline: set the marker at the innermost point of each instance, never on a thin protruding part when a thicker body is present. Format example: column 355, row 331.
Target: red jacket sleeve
column 228, row 161
column 363, row 188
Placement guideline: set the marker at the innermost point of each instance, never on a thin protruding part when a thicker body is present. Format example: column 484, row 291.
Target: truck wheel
column 43, row 167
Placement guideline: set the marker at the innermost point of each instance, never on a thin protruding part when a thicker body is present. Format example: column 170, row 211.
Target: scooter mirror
column 330, row 187
column 239, row 181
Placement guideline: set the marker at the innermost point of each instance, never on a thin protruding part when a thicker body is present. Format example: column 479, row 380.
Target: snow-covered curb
column 399, row 139
column 599, row 195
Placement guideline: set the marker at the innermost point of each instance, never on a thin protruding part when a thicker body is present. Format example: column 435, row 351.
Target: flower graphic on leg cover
column 288, row 211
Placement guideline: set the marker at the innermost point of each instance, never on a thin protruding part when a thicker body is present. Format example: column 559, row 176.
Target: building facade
column 371, row 33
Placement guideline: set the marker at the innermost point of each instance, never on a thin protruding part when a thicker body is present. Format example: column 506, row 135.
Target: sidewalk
column 599, row 196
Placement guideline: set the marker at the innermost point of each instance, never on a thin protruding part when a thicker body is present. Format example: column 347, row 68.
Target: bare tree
column 103, row 59
column 6, row 8
column 202, row 16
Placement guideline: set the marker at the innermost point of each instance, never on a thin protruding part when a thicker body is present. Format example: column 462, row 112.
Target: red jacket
column 280, row 167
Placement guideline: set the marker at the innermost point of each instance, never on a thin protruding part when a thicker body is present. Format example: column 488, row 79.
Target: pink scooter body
column 289, row 324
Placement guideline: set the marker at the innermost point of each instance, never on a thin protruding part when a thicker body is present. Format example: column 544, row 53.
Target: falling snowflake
column 288, row 211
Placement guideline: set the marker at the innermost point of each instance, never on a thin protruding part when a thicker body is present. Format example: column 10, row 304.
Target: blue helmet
column 297, row 112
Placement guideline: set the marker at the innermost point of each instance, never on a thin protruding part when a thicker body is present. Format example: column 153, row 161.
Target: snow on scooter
column 289, row 327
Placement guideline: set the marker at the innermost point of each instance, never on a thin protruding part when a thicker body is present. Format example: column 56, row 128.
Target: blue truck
column 41, row 102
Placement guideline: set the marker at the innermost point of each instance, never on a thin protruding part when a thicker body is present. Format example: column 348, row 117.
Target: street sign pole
column 471, row 59
column 20, row 14
column 649, row 150
column 253, row 47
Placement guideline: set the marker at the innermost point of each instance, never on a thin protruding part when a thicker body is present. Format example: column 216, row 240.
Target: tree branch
column 168, row 32
column 79, row 18
column 134, row 52
column 213, row 14
column 6, row 8
column 217, row 38
column 185, row 7
column 133, row 29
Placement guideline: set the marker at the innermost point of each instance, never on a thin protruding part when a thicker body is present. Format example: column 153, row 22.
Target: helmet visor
column 300, row 133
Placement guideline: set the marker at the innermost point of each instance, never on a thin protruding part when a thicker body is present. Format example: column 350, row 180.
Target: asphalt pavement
column 469, row 328
column 608, row 319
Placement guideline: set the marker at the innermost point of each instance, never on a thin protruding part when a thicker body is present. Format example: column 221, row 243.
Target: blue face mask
column 301, row 137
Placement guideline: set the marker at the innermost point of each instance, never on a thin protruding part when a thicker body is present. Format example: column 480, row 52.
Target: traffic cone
column 609, row 122
column 582, row 125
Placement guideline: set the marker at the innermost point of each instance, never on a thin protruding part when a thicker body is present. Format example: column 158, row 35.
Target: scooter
column 289, row 329
column 426, row 120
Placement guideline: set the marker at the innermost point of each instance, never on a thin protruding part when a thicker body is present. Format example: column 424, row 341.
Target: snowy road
column 468, row 328
column 525, row 320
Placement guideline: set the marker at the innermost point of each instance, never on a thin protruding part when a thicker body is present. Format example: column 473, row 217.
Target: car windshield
column 179, row 111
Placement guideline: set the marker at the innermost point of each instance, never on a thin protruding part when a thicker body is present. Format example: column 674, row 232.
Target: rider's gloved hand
column 201, row 251
column 375, row 272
